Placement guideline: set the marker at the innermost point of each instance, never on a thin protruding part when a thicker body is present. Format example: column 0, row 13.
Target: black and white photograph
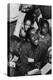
column 29, row 29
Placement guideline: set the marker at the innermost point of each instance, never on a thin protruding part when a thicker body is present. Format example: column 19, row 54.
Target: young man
column 29, row 54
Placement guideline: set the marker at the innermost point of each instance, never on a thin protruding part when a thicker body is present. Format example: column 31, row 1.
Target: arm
column 22, row 33
column 12, row 62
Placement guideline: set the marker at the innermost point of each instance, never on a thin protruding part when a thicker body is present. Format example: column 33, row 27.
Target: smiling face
column 45, row 28
column 34, row 37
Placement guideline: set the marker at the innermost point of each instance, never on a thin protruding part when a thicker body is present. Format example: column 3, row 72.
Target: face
column 27, row 24
column 34, row 37
column 45, row 28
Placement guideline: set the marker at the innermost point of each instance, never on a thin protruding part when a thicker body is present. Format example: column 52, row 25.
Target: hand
column 30, row 60
column 23, row 33
column 12, row 64
column 36, row 42
column 15, row 59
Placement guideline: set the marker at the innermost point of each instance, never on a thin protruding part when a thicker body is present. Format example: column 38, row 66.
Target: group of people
column 30, row 50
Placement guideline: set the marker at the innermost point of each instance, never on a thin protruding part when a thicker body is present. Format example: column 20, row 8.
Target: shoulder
column 48, row 37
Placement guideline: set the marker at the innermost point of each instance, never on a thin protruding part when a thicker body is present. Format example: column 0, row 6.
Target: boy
column 44, row 41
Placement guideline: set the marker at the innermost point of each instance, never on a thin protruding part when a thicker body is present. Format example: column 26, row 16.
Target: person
column 28, row 54
column 44, row 32
column 13, row 55
column 44, row 40
column 23, row 30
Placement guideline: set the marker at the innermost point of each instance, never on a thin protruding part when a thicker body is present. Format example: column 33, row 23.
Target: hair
column 15, row 38
column 29, row 16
